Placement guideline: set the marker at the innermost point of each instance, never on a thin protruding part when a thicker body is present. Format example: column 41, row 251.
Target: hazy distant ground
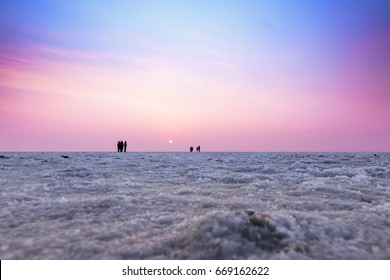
column 194, row 206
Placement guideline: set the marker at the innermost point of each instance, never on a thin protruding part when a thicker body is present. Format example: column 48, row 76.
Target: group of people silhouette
column 197, row 149
column 122, row 146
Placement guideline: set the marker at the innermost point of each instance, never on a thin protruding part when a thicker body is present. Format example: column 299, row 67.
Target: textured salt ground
column 194, row 206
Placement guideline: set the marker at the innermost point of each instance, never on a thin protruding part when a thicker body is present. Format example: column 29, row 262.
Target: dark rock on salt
column 264, row 234
column 250, row 212
column 64, row 156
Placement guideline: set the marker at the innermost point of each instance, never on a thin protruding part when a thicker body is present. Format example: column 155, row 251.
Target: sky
column 240, row 76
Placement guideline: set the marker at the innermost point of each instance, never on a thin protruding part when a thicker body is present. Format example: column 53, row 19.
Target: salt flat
column 194, row 206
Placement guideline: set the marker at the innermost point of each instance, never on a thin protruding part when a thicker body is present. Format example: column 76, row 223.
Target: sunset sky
column 261, row 75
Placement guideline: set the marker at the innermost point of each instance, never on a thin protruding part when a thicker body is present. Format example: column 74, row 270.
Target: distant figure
column 125, row 146
column 119, row 146
column 198, row 149
column 191, row 149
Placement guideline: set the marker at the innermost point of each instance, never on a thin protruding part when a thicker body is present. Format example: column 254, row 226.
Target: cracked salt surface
column 194, row 206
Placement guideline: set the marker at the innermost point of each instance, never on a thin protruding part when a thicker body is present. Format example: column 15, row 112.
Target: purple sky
column 226, row 75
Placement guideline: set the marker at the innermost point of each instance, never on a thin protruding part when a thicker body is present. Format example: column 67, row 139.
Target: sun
column 170, row 141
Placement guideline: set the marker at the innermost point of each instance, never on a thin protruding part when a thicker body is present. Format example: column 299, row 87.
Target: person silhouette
column 125, row 146
column 118, row 145
column 198, row 149
column 191, row 149
column 121, row 146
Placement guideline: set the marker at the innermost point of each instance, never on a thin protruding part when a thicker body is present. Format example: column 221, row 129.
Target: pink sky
column 224, row 88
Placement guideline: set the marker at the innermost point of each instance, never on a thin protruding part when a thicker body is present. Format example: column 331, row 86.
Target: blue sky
column 247, row 74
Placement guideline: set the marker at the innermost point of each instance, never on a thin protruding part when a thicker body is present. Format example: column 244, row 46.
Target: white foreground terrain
column 194, row 206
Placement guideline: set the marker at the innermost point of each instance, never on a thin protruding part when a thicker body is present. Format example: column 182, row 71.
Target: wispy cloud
column 219, row 75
